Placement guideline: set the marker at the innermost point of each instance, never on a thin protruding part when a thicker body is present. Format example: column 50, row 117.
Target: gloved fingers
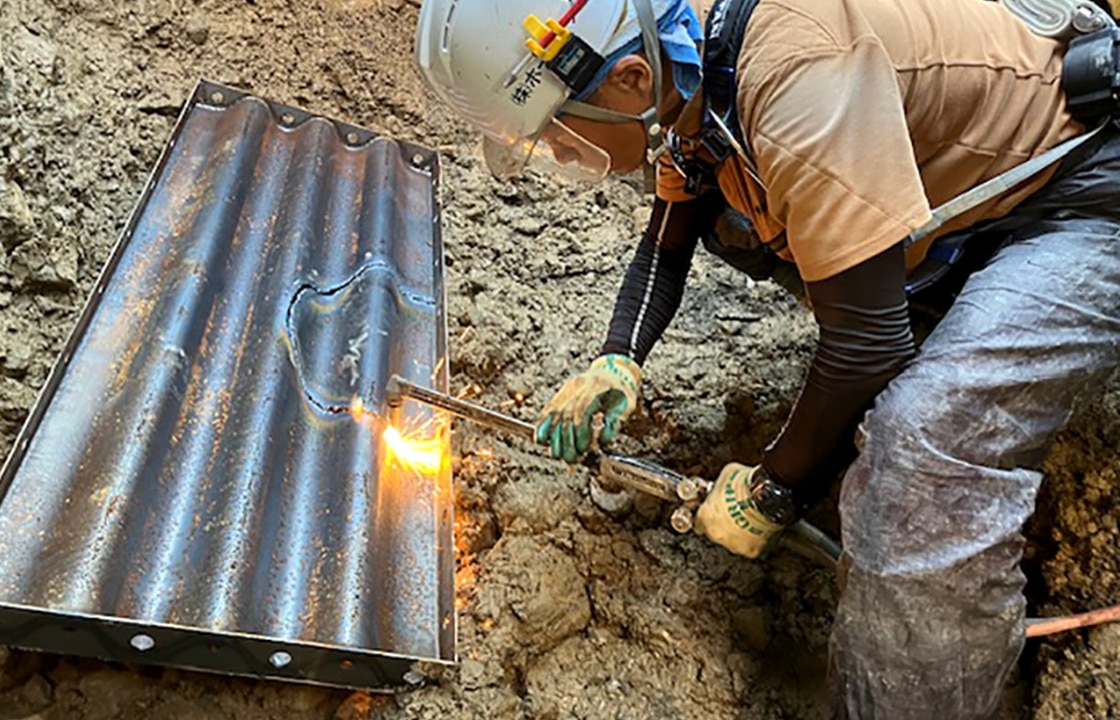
column 609, row 433
column 584, row 431
column 571, row 394
column 568, row 442
column 555, row 448
column 544, row 429
column 562, row 442
column 583, row 434
column 618, row 409
column 713, row 526
column 565, row 424
column 567, row 434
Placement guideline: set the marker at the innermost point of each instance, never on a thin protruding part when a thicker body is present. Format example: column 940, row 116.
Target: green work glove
column 729, row 516
column 609, row 386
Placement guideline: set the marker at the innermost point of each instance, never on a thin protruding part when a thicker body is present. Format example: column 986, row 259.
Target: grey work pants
column 931, row 617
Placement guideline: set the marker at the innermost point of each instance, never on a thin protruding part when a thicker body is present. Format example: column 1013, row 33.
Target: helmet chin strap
column 655, row 143
column 651, row 122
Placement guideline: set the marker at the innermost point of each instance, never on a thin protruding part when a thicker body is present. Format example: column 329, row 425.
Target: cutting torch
column 686, row 493
column 617, row 471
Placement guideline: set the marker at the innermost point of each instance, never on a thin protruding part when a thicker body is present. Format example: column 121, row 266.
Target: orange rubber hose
column 1049, row 626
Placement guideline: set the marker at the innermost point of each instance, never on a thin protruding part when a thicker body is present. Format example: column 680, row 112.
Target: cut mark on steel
column 337, row 344
column 350, row 303
column 332, row 390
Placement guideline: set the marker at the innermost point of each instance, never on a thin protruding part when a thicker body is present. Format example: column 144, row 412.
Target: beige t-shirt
column 864, row 114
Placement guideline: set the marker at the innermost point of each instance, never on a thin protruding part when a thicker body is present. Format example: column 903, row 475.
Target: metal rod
column 637, row 474
column 397, row 390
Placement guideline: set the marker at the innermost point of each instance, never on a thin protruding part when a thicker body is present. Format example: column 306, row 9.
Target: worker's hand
column 728, row 516
column 609, row 386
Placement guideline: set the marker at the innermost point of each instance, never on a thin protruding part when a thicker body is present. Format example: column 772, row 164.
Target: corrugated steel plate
column 190, row 489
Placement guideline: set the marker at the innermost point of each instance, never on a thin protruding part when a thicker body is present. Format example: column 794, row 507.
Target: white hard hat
column 473, row 55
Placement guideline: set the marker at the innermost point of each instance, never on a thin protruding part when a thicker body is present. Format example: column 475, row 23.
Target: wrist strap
column 777, row 502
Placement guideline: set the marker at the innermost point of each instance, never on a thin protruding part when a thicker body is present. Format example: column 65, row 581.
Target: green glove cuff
column 622, row 367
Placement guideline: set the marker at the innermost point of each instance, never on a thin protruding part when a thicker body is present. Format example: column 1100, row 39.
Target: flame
column 420, row 448
column 422, row 454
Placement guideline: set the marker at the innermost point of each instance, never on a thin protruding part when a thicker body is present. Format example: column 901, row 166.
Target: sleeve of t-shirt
column 829, row 132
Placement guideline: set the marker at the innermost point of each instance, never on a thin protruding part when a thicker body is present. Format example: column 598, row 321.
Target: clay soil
column 575, row 603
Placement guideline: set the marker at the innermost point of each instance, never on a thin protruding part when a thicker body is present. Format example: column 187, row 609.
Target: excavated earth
column 574, row 602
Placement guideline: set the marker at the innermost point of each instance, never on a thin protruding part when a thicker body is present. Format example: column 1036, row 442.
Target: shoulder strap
column 723, row 39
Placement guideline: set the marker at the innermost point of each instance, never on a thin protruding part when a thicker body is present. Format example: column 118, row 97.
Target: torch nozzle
column 394, row 393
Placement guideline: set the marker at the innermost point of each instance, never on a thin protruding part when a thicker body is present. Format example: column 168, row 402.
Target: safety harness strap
column 720, row 132
column 723, row 39
column 945, row 251
column 990, row 189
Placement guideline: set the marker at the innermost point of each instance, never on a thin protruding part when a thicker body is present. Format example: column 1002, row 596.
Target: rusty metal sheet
column 191, row 488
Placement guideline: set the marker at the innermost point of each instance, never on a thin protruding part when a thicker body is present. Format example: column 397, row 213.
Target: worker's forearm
column 652, row 289
column 649, row 298
column 865, row 339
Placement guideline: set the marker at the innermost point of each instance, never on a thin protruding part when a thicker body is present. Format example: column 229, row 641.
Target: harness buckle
column 696, row 172
column 715, row 142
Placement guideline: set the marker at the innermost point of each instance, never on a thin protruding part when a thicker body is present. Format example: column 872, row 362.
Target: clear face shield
column 570, row 64
column 555, row 149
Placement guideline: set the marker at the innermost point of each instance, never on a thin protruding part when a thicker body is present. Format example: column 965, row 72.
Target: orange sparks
column 357, row 408
column 424, row 455
column 469, row 391
column 421, row 449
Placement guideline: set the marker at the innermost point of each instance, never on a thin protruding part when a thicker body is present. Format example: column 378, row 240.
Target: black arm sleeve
column 653, row 287
column 865, row 339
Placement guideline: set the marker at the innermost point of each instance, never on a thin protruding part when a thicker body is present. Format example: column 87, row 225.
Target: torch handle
column 633, row 473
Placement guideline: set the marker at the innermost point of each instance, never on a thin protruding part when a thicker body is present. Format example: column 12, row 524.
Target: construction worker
column 837, row 128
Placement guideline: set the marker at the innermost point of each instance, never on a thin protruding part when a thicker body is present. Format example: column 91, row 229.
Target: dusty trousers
column 931, row 616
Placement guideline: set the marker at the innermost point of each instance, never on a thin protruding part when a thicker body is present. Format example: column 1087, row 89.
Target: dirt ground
column 574, row 603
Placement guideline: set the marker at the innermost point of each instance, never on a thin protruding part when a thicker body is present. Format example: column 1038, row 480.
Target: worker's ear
column 633, row 73
column 628, row 84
